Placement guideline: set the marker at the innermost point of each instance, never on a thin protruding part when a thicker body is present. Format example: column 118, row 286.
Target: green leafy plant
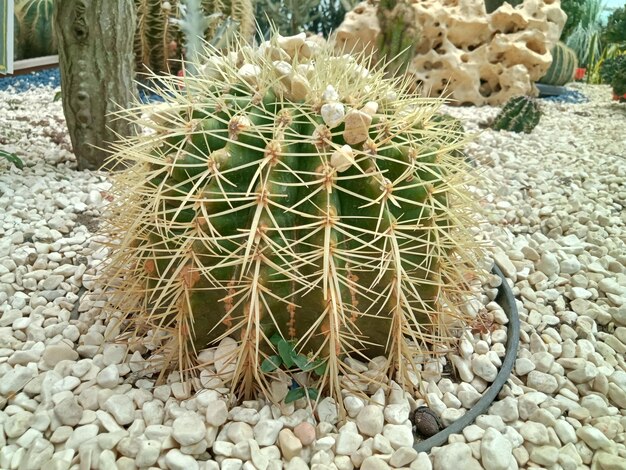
column 34, row 32
column 613, row 72
column 12, row 158
column 331, row 14
column 519, row 114
column 288, row 357
column 585, row 38
column 574, row 11
column 610, row 51
column 291, row 17
column 303, row 199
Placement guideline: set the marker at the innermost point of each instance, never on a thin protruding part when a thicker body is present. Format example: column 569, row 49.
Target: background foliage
column 295, row 16
column 585, row 38
column 615, row 30
column 574, row 11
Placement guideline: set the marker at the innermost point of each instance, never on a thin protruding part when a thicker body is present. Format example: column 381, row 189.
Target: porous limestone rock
column 465, row 54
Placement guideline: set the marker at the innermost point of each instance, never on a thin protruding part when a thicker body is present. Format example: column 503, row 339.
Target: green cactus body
column 34, row 30
column 251, row 210
column 564, row 63
column 519, row 114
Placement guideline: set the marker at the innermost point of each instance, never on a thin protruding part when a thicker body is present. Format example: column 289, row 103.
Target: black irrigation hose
column 506, row 300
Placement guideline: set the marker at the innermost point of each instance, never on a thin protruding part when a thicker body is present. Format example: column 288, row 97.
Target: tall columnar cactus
column 564, row 63
column 286, row 191
column 399, row 35
column 240, row 11
column 158, row 39
column 34, row 30
column 519, row 114
column 155, row 38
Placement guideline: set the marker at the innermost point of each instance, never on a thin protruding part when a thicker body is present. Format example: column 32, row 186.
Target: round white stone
column 121, row 407
column 108, row 377
column 266, row 431
column 370, row 420
column 148, row 453
column 484, row 368
column 594, row 438
column 495, row 451
column 189, row 429
column 216, row 413
column 176, row 460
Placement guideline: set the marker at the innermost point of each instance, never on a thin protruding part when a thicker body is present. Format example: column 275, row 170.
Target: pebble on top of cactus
column 287, row 192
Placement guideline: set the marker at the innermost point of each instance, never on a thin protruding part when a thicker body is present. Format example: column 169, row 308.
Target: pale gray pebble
column 108, row 377
column 450, row 456
column 176, row 460
column 484, row 368
column 495, row 450
column 68, row 411
column 370, row 420
column 121, row 408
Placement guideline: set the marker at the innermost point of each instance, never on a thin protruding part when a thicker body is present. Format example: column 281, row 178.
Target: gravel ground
column 555, row 206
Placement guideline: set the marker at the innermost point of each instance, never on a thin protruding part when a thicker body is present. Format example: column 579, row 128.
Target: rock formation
column 466, row 54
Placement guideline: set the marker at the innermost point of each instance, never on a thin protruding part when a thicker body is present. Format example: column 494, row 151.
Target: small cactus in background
column 392, row 36
column 34, row 30
column 563, row 67
column 519, row 114
column 193, row 25
column 290, row 193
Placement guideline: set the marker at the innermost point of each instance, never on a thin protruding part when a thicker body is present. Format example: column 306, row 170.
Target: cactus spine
column 519, row 114
column 289, row 191
column 34, row 31
column 454, row 132
column 564, row 63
